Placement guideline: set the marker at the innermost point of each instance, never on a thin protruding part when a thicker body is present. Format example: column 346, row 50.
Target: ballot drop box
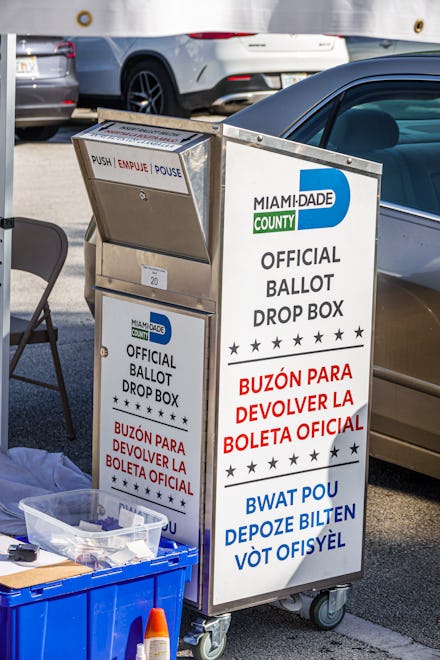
column 235, row 279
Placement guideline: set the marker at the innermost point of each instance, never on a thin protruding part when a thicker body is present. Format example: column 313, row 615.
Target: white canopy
column 395, row 19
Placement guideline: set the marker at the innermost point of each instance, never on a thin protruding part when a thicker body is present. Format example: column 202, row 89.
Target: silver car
column 46, row 86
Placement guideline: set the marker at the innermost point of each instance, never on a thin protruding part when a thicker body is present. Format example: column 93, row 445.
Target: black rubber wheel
column 319, row 614
column 148, row 89
column 36, row 133
column 205, row 651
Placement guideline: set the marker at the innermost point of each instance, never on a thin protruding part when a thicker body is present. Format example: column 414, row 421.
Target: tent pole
column 7, row 138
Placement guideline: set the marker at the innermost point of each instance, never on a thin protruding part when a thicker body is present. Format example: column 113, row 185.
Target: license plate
column 26, row 66
column 288, row 79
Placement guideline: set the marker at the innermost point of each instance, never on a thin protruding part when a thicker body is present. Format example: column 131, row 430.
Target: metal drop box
column 233, row 347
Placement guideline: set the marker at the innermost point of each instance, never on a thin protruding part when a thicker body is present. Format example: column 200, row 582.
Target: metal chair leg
column 59, row 372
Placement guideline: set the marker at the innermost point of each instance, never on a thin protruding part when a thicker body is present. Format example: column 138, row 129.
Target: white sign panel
column 151, row 411
column 136, row 166
column 296, row 324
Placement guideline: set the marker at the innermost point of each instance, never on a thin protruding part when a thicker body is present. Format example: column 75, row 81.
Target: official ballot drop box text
column 234, row 316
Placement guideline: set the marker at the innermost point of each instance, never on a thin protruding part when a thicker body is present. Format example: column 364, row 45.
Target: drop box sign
column 151, row 411
column 295, row 361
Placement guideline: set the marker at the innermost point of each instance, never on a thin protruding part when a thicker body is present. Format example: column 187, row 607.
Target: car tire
column 148, row 89
column 36, row 133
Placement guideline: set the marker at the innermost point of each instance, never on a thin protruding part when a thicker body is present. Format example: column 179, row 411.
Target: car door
column 397, row 122
column 98, row 64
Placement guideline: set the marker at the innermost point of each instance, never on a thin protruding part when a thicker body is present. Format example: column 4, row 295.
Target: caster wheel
column 319, row 614
column 205, row 651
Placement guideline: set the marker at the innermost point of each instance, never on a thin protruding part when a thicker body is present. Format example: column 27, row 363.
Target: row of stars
column 293, row 460
column 297, row 340
column 149, row 410
column 159, row 494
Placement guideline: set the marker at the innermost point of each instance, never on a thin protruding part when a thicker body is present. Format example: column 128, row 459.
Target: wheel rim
column 329, row 619
column 205, row 650
column 145, row 94
column 320, row 615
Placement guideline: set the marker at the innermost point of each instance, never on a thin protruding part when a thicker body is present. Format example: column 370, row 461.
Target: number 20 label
column 154, row 277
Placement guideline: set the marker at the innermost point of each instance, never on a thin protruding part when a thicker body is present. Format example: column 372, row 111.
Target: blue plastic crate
column 95, row 616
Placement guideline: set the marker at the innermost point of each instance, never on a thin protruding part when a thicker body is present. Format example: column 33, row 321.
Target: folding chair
column 39, row 248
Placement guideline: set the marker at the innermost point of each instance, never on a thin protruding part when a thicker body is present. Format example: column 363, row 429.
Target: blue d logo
column 160, row 328
column 324, row 179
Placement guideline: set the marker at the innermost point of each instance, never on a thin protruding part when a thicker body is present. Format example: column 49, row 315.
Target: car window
column 395, row 123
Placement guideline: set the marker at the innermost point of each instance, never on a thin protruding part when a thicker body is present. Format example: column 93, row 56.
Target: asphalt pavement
column 393, row 612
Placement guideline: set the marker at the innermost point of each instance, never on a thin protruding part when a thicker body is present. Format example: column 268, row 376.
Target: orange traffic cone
column 157, row 636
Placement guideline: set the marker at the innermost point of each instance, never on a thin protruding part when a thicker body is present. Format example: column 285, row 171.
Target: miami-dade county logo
column 322, row 201
column 157, row 329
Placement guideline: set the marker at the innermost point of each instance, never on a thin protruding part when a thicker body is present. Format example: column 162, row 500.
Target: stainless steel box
column 233, row 347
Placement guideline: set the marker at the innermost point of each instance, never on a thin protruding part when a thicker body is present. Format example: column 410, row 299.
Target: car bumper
column 40, row 104
column 239, row 98
column 230, row 95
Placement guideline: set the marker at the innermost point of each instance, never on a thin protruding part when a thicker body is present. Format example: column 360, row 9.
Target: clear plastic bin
column 93, row 527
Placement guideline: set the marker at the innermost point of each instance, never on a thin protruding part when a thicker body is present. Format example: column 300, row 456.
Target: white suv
column 177, row 75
